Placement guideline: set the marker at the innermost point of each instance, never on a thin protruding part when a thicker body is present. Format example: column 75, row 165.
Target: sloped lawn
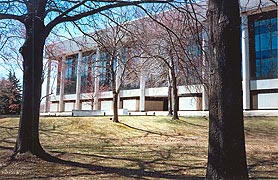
column 140, row 147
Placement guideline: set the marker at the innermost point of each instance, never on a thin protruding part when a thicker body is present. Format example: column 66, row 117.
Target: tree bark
column 170, row 99
column 175, row 94
column 226, row 152
column 32, row 52
column 115, row 107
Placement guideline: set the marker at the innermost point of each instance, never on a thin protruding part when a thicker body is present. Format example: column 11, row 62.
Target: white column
column 245, row 62
column 62, row 85
column 96, row 85
column 204, row 98
column 204, row 76
column 47, row 99
column 142, row 92
column 78, row 81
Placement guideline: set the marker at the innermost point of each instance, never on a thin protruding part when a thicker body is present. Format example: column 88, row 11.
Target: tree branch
column 11, row 16
column 65, row 18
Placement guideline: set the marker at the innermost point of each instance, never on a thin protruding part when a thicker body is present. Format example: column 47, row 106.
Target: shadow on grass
column 144, row 130
column 265, row 165
column 7, row 141
column 193, row 124
column 140, row 173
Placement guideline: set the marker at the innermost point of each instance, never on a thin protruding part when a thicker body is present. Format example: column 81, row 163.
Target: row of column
column 245, row 78
column 96, row 106
column 61, row 105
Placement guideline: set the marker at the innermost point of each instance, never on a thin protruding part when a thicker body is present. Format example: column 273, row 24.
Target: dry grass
column 139, row 147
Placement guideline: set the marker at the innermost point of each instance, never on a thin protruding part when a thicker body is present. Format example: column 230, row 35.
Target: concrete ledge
column 149, row 113
column 194, row 113
column 56, row 114
column 251, row 113
column 80, row 113
column 247, row 113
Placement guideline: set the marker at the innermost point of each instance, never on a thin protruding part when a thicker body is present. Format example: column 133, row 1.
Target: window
column 263, row 45
column 70, row 74
column 87, row 83
column 103, row 69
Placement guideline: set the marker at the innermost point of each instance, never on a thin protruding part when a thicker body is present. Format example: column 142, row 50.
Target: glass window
column 84, row 66
column 274, row 39
column 94, row 59
column 103, row 68
column 70, row 74
column 87, row 70
column 264, row 35
column 258, row 67
column 265, row 42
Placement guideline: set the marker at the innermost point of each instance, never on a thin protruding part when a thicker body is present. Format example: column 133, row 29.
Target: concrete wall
column 190, row 103
column 264, row 100
column 131, row 104
column 267, row 101
column 71, row 46
column 54, row 97
column 106, row 105
column 86, row 106
column 130, row 93
column 69, row 97
column 264, row 84
column 69, row 106
column 54, row 107
column 247, row 5
column 190, row 89
column 157, row 92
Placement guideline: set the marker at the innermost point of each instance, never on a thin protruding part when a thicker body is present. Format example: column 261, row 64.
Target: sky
column 4, row 71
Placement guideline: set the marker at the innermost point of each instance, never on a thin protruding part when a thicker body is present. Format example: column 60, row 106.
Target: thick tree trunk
column 32, row 52
column 226, row 153
column 115, row 107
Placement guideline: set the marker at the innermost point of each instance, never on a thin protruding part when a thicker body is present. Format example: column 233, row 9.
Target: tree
column 115, row 42
column 4, row 97
column 15, row 94
column 174, row 38
column 39, row 17
column 226, row 152
column 114, row 67
column 10, row 95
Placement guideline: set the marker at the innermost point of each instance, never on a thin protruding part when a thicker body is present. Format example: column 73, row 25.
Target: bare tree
column 11, row 38
column 167, row 38
column 115, row 43
column 39, row 17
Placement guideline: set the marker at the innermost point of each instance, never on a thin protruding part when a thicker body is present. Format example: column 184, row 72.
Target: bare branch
column 11, row 16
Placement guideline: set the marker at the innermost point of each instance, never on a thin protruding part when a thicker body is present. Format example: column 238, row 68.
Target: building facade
column 77, row 79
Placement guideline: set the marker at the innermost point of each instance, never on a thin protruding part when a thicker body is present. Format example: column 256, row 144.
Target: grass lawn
column 140, row 147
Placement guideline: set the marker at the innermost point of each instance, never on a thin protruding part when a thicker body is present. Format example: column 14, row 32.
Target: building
column 79, row 79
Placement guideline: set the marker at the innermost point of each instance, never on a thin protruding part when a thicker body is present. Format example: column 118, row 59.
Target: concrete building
column 76, row 67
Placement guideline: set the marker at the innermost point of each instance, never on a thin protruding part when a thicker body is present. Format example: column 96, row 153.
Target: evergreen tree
column 10, row 95
column 15, row 92
column 4, row 98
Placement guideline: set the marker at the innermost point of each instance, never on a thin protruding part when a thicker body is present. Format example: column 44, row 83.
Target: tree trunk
column 32, row 52
column 226, row 152
column 170, row 99
column 115, row 107
column 175, row 94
